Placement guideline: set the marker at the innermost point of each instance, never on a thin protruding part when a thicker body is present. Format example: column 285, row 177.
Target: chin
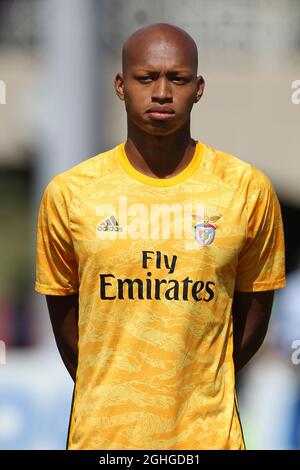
column 158, row 133
column 160, row 130
column 157, row 129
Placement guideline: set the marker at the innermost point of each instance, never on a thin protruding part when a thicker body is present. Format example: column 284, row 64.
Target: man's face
column 159, row 86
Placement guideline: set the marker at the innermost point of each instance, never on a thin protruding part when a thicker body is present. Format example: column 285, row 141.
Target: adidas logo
column 110, row 225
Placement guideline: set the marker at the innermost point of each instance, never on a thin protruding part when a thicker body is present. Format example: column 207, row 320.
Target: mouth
column 161, row 114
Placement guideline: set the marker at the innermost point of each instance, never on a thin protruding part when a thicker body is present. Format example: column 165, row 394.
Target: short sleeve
column 261, row 261
column 56, row 265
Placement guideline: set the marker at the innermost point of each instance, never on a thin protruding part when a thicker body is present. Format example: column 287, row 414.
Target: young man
column 159, row 260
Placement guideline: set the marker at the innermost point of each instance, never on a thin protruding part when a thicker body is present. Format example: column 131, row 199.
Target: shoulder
column 236, row 173
column 72, row 180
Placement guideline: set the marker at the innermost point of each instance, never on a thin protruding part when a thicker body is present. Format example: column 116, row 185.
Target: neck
column 159, row 156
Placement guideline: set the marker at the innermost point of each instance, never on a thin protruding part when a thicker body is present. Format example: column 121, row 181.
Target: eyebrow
column 153, row 70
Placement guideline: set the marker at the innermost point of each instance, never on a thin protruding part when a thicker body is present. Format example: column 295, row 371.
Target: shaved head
column 158, row 35
column 159, row 82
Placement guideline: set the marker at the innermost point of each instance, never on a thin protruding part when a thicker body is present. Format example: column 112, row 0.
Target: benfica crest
column 205, row 230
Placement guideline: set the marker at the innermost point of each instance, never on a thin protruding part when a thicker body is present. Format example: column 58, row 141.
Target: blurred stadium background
column 58, row 59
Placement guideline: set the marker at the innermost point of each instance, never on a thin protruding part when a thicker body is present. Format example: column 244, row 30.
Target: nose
column 162, row 91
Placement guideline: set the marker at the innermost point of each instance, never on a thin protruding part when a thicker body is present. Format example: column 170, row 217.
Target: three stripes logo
column 109, row 225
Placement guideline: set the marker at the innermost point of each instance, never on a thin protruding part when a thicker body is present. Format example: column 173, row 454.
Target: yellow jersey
column 156, row 263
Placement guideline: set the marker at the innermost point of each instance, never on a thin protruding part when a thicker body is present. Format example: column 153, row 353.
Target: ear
column 119, row 82
column 200, row 88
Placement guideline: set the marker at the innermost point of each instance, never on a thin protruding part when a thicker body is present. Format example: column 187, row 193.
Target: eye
column 144, row 79
column 179, row 80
